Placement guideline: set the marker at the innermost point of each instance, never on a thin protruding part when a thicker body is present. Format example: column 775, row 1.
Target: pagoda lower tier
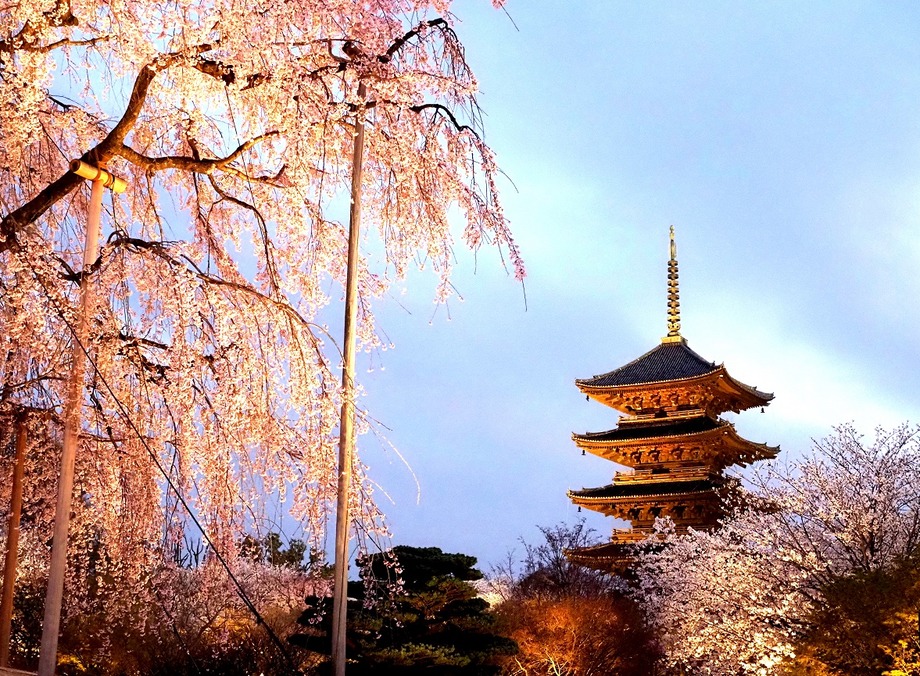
column 615, row 555
column 692, row 500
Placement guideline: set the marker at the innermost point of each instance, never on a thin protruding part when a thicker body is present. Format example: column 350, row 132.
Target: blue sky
column 781, row 139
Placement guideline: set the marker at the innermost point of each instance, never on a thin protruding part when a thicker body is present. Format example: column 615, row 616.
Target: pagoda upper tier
column 671, row 379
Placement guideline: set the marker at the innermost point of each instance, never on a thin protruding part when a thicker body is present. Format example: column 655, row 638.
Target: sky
column 781, row 139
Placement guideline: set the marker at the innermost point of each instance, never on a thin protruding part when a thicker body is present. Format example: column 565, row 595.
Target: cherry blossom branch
column 282, row 305
column 22, row 46
column 160, row 249
column 263, row 232
column 60, row 15
column 444, row 110
column 197, row 165
column 32, row 210
column 114, row 145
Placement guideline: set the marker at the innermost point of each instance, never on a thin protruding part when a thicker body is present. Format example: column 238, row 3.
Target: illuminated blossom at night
column 742, row 598
column 213, row 376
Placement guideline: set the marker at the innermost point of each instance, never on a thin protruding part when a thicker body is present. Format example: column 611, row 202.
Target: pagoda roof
column 670, row 361
column 654, row 430
column 669, row 377
column 725, row 446
column 645, row 489
column 667, row 361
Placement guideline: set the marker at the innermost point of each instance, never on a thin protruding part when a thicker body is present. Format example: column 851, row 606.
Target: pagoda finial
column 673, row 296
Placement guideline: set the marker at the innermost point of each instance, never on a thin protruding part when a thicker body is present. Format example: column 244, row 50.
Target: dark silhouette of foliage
column 415, row 612
column 270, row 549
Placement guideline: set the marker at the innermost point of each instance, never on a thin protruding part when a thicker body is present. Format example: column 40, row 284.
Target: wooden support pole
column 12, row 545
column 51, row 625
column 347, row 421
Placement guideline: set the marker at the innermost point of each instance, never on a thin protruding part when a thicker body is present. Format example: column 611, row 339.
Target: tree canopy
column 212, row 374
column 814, row 571
column 414, row 612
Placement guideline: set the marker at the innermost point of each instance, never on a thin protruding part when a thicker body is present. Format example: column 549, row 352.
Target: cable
column 130, row 422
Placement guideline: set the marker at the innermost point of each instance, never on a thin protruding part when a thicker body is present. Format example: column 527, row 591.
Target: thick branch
column 32, row 210
column 113, row 145
column 197, row 165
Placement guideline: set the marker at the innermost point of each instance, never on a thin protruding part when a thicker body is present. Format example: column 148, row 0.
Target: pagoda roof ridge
column 662, row 427
column 646, row 489
column 670, row 361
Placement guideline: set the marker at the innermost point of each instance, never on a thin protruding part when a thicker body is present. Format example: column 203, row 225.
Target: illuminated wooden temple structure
column 671, row 435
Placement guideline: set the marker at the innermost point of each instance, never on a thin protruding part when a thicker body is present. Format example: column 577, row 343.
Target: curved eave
column 606, row 562
column 579, row 497
column 587, row 440
column 765, row 397
column 608, row 551
column 748, row 396
column 747, row 451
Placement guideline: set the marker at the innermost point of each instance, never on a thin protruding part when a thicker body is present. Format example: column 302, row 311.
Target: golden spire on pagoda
column 673, row 297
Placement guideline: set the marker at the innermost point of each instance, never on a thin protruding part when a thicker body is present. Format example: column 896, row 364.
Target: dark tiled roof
column 665, row 428
column 667, row 361
column 646, row 488
column 606, row 550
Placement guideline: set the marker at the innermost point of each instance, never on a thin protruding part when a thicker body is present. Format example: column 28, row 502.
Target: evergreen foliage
column 415, row 612
column 270, row 549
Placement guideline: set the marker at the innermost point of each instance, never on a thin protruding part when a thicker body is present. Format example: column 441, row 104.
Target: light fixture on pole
column 51, row 625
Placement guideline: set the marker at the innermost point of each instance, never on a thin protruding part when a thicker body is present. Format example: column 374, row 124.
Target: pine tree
column 416, row 610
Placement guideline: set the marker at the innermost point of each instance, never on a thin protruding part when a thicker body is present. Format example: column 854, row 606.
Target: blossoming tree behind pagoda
column 671, row 435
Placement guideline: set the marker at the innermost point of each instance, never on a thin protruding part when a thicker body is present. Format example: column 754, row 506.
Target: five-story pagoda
column 671, row 435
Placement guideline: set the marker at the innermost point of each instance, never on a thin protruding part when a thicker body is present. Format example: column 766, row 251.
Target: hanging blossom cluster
column 736, row 600
column 212, row 379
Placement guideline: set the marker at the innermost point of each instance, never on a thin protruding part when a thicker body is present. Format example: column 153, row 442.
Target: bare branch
column 398, row 43
column 444, row 110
